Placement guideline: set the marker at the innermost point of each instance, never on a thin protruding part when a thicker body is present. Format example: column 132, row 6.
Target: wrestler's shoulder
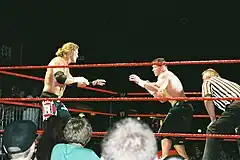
column 56, row 60
column 166, row 73
column 170, row 73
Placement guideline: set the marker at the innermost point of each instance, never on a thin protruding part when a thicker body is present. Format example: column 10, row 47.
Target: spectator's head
column 14, row 91
column 129, row 139
column 35, row 92
column 21, row 94
column 77, row 130
column 19, row 139
column 52, row 135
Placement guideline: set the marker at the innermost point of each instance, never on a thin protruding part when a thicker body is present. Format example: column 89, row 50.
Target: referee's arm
column 206, row 92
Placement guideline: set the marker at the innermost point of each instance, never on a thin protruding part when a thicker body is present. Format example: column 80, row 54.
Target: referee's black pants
column 225, row 124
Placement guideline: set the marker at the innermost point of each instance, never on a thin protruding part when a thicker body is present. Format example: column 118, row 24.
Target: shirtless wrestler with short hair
column 56, row 80
column 179, row 116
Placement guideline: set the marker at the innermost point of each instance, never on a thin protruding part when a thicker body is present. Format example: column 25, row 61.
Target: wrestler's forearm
column 73, row 81
column 151, row 87
column 70, row 80
column 210, row 109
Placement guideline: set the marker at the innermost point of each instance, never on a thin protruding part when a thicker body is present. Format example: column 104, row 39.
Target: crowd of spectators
column 12, row 112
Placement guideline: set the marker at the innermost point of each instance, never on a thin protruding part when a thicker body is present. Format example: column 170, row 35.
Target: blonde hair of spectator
column 129, row 139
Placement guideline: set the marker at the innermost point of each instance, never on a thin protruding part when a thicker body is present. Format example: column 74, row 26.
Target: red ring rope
column 100, row 113
column 218, row 136
column 224, row 136
column 88, row 88
column 191, row 139
column 70, row 109
column 41, row 79
column 146, row 93
column 203, row 139
column 126, row 64
column 164, row 115
column 122, row 99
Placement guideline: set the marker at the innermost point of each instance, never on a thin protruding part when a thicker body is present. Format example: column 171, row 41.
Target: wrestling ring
column 26, row 102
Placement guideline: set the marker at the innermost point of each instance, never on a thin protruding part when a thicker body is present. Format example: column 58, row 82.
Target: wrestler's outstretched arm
column 151, row 87
column 82, row 82
column 63, row 76
column 154, row 87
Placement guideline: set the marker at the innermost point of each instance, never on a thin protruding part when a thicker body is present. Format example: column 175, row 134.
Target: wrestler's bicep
column 69, row 75
column 59, row 73
column 162, row 82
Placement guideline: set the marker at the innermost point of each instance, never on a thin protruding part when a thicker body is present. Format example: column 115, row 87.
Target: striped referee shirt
column 220, row 88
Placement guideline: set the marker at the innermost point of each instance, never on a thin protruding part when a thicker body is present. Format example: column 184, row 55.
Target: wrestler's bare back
column 174, row 87
column 50, row 83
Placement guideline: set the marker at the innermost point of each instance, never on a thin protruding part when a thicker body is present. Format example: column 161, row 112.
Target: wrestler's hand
column 137, row 80
column 82, row 82
column 100, row 82
column 134, row 78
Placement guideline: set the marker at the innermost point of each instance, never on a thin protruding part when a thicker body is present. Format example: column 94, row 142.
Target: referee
column 215, row 86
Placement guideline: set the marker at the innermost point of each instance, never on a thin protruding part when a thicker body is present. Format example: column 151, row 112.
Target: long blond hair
column 66, row 49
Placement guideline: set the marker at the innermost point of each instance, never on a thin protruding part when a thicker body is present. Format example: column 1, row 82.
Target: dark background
column 122, row 31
